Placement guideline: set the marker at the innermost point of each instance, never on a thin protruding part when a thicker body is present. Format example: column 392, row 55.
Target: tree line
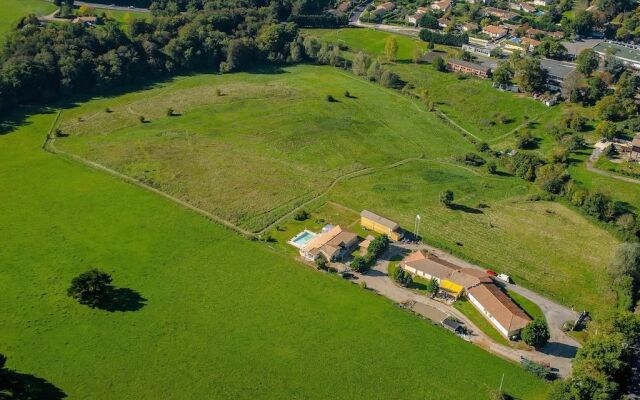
column 42, row 63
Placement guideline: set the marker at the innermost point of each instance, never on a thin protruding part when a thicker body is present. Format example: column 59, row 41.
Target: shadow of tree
column 17, row 386
column 121, row 299
column 466, row 209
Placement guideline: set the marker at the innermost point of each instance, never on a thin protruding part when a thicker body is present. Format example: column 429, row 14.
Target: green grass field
column 487, row 113
column 224, row 317
column 277, row 123
column 13, row 10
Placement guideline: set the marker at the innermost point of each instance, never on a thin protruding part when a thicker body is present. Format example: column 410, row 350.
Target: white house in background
column 443, row 5
column 542, row 2
column 499, row 309
column 413, row 19
column 333, row 245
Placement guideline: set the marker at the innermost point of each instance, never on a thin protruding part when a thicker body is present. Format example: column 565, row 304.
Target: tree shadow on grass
column 466, row 209
column 121, row 299
column 28, row 387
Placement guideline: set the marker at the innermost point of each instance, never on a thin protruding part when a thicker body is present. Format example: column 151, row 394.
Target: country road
column 110, row 6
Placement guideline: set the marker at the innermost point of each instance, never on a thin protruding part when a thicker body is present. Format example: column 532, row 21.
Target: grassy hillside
column 472, row 103
column 13, row 10
column 276, row 122
column 223, row 317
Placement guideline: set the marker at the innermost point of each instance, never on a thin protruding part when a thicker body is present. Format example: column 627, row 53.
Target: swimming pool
column 301, row 239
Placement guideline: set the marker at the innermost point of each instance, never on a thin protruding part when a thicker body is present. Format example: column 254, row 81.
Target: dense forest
column 42, row 62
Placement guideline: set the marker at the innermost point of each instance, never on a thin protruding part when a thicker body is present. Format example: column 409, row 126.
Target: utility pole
column 416, row 226
column 501, row 381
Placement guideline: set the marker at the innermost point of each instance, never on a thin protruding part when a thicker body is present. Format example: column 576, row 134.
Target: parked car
column 347, row 275
column 490, row 272
column 504, row 278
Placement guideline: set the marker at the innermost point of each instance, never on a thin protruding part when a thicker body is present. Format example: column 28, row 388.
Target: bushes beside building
column 448, row 39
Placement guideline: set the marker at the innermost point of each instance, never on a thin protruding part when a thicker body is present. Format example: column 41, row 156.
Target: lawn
column 542, row 245
column 631, row 169
column 277, row 121
column 121, row 16
column 626, row 192
column 472, row 103
column 527, row 305
column 13, row 10
column 480, row 321
column 224, row 317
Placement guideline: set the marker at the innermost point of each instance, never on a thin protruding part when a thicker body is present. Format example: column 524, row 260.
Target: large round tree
column 90, row 287
column 536, row 334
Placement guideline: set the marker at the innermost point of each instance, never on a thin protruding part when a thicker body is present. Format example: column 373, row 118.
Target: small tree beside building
column 536, row 334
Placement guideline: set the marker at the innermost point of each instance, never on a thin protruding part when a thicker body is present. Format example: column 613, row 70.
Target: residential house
column 444, row 22
column 468, row 68
column 364, row 245
column 469, row 27
column 534, row 33
column 333, row 245
column 384, row 8
column 489, row 299
column 524, row 7
column 556, row 35
column 542, row 3
column 413, row 19
column 344, row 7
column 634, row 154
column 443, row 5
column 499, row 309
column 451, row 278
column 495, row 32
column 380, row 224
column 529, row 43
column 85, row 21
column 502, row 14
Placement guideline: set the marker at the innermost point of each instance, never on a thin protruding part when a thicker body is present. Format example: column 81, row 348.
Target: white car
column 504, row 278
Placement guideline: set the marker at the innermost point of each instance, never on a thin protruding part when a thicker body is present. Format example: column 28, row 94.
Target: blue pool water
column 301, row 239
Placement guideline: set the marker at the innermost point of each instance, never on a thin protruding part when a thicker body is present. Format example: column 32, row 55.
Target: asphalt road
column 110, row 7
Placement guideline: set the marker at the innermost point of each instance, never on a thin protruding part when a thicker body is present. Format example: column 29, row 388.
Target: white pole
column 501, row 381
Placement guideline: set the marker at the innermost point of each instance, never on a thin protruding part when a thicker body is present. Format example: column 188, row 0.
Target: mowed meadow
column 251, row 146
column 218, row 316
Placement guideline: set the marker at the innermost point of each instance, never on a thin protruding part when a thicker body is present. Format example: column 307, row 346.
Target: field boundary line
column 514, row 130
column 50, row 147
